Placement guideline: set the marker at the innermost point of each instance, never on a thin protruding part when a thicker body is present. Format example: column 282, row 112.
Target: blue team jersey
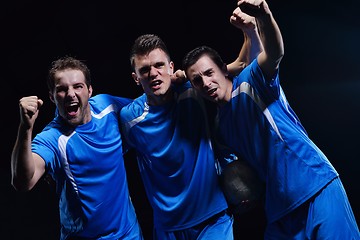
column 260, row 125
column 87, row 165
column 175, row 158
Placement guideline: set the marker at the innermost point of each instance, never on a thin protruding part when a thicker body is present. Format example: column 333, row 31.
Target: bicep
column 268, row 66
column 39, row 164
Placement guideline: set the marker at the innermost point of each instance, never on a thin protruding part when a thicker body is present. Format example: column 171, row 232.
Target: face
column 71, row 96
column 153, row 72
column 211, row 81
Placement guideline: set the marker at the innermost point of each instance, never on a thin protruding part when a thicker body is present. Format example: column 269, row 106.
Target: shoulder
column 253, row 69
column 134, row 109
column 181, row 87
column 101, row 101
column 107, row 98
column 51, row 132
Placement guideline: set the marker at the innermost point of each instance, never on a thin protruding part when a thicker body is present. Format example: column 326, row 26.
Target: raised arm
column 252, row 45
column 26, row 167
column 270, row 35
column 250, row 49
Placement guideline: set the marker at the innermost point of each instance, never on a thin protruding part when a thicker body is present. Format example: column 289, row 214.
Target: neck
column 229, row 89
column 153, row 100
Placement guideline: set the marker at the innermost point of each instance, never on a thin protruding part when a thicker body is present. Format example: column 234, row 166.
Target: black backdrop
column 320, row 75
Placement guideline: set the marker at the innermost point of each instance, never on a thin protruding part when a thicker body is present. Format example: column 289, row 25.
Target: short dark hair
column 193, row 56
column 145, row 44
column 64, row 63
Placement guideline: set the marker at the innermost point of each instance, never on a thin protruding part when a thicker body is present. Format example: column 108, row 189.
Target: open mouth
column 211, row 92
column 72, row 108
column 155, row 83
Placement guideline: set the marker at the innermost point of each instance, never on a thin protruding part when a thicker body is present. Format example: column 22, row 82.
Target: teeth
column 157, row 82
column 212, row 91
column 73, row 104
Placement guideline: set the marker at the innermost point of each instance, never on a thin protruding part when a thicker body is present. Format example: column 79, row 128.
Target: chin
column 74, row 121
column 161, row 92
column 211, row 99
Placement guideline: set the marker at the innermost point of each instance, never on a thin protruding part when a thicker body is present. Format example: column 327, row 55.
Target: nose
column 206, row 82
column 153, row 72
column 71, row 92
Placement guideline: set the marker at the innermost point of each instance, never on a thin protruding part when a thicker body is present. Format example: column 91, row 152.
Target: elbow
column 20, row 185
column 281, row 52
column 279, row 56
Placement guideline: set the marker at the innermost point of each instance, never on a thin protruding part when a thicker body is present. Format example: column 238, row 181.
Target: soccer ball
column 242, row 186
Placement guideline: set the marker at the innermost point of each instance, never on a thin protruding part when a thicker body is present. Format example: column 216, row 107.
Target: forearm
column 254, row 45
column 22, row 162
column 271, row 39
column 250, row 49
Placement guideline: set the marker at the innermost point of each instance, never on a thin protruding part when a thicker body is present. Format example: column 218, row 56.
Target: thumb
column 40, row 103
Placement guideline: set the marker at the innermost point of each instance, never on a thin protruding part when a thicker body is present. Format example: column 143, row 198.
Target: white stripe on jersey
column 246, row 88
column 104, row 112
column 62, row 143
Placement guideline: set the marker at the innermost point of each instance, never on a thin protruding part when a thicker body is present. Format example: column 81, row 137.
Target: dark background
column 320, row 74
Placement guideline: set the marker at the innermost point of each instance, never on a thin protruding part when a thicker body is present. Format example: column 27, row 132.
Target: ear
column 90, row 91
column 224, row 69
column 51, row 96
column 133, row 74
column 171, row 69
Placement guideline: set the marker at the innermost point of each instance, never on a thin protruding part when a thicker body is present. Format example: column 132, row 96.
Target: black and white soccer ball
column 242, row 187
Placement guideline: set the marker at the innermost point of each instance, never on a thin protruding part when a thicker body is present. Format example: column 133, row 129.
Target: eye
column 197, row 81
column 78, row 86
column 159, row 65
column 209, row 73
column 144, row 70
column 60, row 89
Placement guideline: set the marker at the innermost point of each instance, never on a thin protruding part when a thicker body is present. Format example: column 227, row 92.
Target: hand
column 243, row 21
column 29, row 110
column 254, row 8
column 178, row 77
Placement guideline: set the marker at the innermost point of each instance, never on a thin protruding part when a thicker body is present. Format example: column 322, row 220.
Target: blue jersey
column 87, row 165
column 261, row 126
column 175, row 158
